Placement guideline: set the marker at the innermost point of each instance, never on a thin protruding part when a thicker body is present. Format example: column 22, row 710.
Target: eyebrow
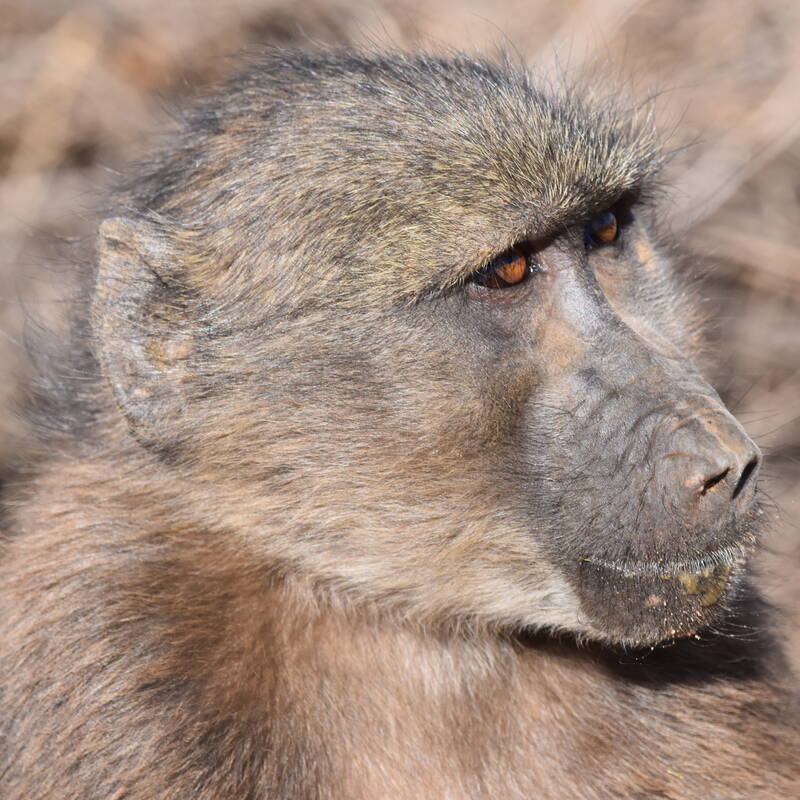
column 535, row 235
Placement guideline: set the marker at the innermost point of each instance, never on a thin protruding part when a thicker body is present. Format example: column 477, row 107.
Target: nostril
column 712, row 482
column 713, row 462
column 747, row 473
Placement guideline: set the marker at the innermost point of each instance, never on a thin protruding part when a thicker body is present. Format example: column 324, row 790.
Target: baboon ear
column 141, row 328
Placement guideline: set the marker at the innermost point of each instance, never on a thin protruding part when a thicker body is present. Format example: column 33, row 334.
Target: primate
column 376, row 466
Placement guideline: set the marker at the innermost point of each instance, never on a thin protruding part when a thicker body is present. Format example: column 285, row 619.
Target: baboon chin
column 382, row 383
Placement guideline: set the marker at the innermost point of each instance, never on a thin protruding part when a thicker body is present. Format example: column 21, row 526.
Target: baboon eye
column 602, row 229
column 508, row 269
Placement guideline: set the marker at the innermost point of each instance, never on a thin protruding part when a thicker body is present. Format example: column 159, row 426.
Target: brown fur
column 280, row 538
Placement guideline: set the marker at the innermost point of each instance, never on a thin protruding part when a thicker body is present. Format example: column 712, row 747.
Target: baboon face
column 401, row 326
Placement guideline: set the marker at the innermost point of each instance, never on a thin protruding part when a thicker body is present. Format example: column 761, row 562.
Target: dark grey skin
column 323, row 506
column 673, row 475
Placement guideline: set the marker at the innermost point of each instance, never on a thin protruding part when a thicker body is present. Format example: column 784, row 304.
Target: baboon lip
column 646, row 602
column 666, row 568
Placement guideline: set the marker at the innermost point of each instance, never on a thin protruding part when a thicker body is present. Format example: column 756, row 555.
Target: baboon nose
column 727, row 476
column 721, row 464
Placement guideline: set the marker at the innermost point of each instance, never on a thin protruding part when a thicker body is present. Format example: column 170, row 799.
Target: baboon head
column 400, row 326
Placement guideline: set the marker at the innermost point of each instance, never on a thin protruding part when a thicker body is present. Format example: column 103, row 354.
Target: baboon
column 377, row 466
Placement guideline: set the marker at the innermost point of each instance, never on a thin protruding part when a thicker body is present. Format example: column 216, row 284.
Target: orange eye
column 602, row 229
column 508, row 269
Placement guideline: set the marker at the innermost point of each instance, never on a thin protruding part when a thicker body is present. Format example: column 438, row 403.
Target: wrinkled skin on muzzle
column 633, row 448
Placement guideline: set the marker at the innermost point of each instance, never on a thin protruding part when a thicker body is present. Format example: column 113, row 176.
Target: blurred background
column 83, row 85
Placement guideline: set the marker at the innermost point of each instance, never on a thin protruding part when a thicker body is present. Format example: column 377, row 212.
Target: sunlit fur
column 291, row 525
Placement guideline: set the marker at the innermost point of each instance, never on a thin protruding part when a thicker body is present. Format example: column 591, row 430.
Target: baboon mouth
column 667, row 568
column 646, row 602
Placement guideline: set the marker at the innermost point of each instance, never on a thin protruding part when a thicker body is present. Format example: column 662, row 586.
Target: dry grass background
column 82, row 84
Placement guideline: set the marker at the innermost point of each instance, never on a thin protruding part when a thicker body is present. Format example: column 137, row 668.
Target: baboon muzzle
column 666, row 484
